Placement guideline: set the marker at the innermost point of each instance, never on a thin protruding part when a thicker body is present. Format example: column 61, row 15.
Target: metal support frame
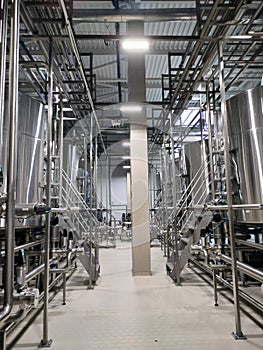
column 11, row 164
column 175, row 228
column 210, row 141
column 238, row 331
column 60, row 145
column 45, row 342
column 4, row 10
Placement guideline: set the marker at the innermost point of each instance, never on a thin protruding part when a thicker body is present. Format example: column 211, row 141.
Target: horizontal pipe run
column 257, row 246
column 114, row 37
column 235, row 207
column 243, row 295
column 248, row 270
column 37, row 271
column 25, row 246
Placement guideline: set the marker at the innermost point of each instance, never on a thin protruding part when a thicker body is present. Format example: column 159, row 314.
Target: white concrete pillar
column 141, row 254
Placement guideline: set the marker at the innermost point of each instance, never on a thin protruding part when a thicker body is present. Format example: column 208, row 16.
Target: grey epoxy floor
column 146, row 313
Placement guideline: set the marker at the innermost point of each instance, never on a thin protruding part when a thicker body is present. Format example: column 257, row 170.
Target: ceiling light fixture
column 131, row 108
column 135, row 44
column 126, row 167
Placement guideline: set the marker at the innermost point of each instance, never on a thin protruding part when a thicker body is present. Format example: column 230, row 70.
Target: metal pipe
column 60, row 145
column 25, row 246
column 238, row 333
column 210, row 141
column 175, row 228
column 118, row 62
column 86, row 189
column 248, row 270
column 257, row 246
column 215, row 288
column 80, row 65
column 124, row 15
column 235, row 207
column 4, row 10
column 11, row 163
column 32, row 274
column 252, row 301
column 45, row 342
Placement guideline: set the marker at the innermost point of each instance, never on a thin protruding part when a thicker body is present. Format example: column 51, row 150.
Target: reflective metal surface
column 71, row 161
column 246, row 140
column 30, row 135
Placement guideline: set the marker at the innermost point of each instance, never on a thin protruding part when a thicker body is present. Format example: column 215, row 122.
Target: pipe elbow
column 5, row 312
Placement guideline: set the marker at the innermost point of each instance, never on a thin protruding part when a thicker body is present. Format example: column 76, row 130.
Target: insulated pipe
column 4, row 10
column 11, row 163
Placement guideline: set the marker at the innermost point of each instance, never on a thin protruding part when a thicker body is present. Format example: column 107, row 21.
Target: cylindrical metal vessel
column 30, row 150
column 71, row 161
column 245, row 114
column 30, row 134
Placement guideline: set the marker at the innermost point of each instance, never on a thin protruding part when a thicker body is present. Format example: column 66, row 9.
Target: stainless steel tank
column 245, row 113
column 30, row 134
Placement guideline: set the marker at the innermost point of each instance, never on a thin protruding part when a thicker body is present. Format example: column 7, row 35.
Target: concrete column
column 141, row 255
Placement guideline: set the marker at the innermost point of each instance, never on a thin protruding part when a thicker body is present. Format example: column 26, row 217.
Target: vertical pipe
column 4, row 10
column 45, row 342
column 215, row 287
column 96, row 173
column 109, row 186
column 85, row 170
column 11, row 162
column 118, row 62
column 64, row 288
column 238, row 334
column 91, row 199
column 60, row 140
column 175, row 230
column 91, row 160
column 210, row 142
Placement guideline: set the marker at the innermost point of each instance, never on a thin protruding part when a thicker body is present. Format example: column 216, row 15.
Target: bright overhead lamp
column 126, row 167
column 131, row 108
column 125, row 157
column 135, row 44
column 126, row 144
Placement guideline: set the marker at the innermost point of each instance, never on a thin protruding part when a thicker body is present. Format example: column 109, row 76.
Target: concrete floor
column 146, row 312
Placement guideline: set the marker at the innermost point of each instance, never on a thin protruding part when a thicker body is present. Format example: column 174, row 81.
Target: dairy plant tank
column 245, row 114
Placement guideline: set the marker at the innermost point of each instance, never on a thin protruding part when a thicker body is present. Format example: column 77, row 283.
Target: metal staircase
column 186, row 223
column 84, row 224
